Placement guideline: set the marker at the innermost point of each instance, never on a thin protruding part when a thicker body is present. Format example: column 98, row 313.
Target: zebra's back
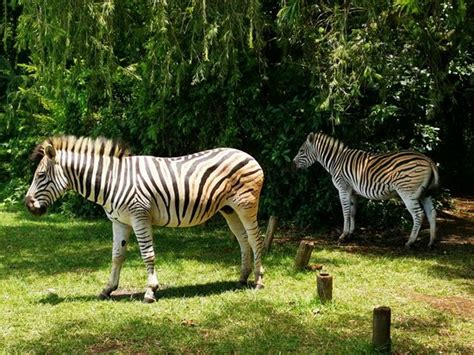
column 380, row 176
column 188, row 190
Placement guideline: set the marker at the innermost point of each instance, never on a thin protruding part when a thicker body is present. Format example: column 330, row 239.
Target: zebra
column 411, row 175
column 137, row 192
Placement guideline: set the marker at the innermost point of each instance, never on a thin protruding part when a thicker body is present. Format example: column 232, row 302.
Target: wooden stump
column 304, row 253
column 272, row 225
column 324, row 286
column 381, row 329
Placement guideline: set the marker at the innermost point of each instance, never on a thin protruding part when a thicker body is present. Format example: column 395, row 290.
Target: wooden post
column 381, row 329
column 324, row 286
column 272, row 225
column 304, row 253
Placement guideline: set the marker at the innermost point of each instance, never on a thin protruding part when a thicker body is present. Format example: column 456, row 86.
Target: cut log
column 324, row 286
column 272, row 225
column 304, row 253
column 381, row 329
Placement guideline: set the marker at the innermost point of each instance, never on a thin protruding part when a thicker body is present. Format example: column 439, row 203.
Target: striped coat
column 140, row 191
column 410, row 175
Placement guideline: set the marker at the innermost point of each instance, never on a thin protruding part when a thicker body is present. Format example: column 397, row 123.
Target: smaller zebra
column 410, row 175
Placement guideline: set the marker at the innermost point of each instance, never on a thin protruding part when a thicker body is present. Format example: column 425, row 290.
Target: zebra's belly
column 165, row 219
column 158, row 219
column 376, row 192
column 123, row 217
column 174, row 222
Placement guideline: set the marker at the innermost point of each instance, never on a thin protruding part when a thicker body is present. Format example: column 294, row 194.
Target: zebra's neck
column 92, row 176
column 327, row 151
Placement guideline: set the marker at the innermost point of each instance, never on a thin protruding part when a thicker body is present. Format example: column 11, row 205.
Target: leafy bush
column 172, row 78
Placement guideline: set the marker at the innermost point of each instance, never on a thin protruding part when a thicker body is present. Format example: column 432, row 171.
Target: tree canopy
column 175, row 77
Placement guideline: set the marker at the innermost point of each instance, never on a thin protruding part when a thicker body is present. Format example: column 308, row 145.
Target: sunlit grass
column 52, row 268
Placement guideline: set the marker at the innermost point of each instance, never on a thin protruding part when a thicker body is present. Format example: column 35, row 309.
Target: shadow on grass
column 54, row 299
column 415, row 327
column 51, row 249
column 47, row 246
column 207, row 289
column 447, row 261
column 165, row 292
column 243, row 327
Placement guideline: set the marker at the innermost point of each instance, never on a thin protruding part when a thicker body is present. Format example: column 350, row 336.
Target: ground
column 457, row 225
column 52, row 268
column 455, row 230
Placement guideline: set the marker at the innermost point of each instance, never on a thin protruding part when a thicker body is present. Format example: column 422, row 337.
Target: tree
column 174, row 77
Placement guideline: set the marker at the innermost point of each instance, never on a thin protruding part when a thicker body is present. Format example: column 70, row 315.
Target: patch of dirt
column 107, row 347
column 455, row 227
column 458, row 306
column 121, row 294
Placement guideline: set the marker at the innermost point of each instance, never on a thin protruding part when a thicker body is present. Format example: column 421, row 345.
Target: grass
column 52, row 268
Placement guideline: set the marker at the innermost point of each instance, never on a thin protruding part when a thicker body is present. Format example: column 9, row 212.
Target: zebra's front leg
column 120, row 239
column 353, row 212
column 345, row 197
column 144, row 233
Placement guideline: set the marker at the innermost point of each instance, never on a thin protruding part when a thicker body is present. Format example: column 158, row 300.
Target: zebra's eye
column 41, row 174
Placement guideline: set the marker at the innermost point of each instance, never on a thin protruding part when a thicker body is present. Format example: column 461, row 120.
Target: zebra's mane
column 319, row 136
column 100, row 145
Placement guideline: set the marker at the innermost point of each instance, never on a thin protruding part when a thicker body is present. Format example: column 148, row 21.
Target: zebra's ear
column 50, row 152
column 310, row 137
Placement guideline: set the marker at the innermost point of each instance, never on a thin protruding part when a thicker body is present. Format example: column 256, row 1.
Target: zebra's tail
column 433, row 183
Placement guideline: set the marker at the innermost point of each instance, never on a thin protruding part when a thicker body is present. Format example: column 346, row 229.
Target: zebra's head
column 49, row 182
column 305, row 157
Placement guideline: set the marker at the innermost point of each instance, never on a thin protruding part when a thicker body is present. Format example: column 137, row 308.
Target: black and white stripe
column 141, row 191
column 411, row 175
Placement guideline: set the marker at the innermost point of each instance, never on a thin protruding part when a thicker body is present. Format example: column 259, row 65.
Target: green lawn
column 52, row 268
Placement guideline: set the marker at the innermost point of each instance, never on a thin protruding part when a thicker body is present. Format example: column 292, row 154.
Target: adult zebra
column 140, row 191
column 411, row 175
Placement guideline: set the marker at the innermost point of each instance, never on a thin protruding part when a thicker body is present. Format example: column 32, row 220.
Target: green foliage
column 175, row 77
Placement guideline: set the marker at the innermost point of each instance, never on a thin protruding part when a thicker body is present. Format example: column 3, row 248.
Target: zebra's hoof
column 149, row 299
column 149, row 296
column 259, row 286
column 103, row 296
column 342, row 238
column 408, row 246
column 242, row 284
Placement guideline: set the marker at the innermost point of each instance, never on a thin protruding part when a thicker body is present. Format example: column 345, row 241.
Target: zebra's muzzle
column 34, row 206
column 294, row 166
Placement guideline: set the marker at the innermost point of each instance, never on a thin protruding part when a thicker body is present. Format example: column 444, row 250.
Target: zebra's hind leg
column 121, row 234
column 414, row 207
column 144, row 233
column 238, row 230
column 248, row 217
column 430, row 213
